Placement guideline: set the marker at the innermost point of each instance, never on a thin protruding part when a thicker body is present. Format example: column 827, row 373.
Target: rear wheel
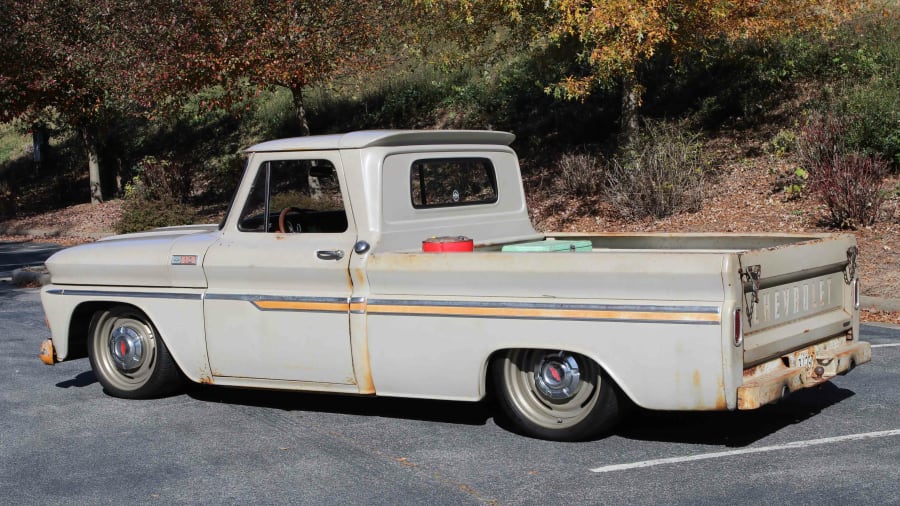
column 128, row 357
column 555, row 395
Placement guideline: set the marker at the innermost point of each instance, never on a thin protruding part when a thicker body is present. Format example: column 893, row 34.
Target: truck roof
column 369, row 138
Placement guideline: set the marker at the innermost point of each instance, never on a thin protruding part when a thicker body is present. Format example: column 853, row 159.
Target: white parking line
column 885, row 345
column 745, row 451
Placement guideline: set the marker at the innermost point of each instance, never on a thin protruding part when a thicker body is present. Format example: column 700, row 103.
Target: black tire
column 128, row 356
column 555, row 395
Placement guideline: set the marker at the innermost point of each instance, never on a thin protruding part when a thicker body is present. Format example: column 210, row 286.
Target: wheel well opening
column 489, row 379
column 488, row 375
column 80, row 327
column 554, row 393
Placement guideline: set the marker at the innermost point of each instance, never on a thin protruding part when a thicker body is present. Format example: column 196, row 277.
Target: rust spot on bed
column 721, row 401
column 363, row 366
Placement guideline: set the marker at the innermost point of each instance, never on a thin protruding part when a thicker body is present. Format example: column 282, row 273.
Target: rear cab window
column 451, row 182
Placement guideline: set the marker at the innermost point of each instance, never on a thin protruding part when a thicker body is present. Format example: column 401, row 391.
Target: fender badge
column 184, row 259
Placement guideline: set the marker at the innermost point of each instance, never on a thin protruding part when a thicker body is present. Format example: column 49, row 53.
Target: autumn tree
column 291, row 44
column 618, row 37
column 93, row 61
column 89, row 62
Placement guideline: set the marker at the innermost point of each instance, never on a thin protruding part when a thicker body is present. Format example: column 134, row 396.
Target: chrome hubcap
column 557, row 377
column 126, row 348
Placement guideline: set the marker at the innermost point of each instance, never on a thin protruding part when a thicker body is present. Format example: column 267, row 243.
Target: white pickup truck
column 403, row 263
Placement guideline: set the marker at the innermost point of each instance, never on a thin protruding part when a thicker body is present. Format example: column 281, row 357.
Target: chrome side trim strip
column 137, row 295
column 550, row 306
column 694, row 315
column 278, row 298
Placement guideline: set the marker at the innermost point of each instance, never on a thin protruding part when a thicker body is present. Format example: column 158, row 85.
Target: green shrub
column 12, row 142
column 792, row 183
column 784, row 142
column 875, row 109
column 274, row 116
column 141, row 213
column 659, row 174
column 863, row 62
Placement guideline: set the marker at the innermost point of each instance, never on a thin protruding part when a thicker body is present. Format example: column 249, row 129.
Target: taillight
column 856, row 293
column 738, row 328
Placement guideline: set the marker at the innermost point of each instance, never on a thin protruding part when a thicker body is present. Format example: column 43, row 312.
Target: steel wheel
column 554, row 394
column 128, row 357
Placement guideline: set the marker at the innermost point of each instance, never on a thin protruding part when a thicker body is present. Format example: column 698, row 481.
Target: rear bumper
column 773, row 380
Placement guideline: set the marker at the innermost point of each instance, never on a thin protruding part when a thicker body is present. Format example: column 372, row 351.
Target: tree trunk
column 299, row 110
column 90, row 145
column 632, row 93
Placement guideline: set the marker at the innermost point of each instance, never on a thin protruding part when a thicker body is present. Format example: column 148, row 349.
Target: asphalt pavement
column 15, row 255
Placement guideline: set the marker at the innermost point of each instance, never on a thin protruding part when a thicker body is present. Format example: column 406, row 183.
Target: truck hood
column 165, row 257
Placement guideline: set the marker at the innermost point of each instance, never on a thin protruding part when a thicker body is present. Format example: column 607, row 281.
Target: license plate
column 804, row 359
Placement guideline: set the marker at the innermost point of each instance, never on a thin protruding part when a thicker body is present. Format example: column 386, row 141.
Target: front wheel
column 128, row 357
column 555, row 395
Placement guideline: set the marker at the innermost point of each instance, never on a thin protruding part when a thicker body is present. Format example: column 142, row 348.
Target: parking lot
column 64, row 441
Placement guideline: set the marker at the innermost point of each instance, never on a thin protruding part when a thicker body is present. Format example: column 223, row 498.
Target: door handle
column 330, row 254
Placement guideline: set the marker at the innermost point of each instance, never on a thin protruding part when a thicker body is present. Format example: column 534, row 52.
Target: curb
column 879, row 303
column 52, row 233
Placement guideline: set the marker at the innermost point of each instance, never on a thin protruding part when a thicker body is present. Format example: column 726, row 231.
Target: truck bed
column 631, row 296
column 800, row 295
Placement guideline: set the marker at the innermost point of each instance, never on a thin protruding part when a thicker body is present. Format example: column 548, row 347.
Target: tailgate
column 798, row 294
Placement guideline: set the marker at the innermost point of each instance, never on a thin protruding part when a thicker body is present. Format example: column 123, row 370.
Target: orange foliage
column 618, row 35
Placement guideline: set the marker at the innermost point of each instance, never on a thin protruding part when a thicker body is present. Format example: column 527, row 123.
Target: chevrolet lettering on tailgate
column 790, row 302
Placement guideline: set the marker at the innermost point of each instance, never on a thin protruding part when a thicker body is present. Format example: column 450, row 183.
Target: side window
column 448, row 182
column 291, row 196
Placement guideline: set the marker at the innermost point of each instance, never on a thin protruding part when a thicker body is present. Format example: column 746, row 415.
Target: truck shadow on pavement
column 731, row 428
column 463, row 413
column 728, row 429
column 84, row 379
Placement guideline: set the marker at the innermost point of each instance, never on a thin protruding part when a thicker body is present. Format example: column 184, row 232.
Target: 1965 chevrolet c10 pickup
column 345, row 265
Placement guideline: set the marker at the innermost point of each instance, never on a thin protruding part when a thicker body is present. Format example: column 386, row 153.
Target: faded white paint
column 265, row 310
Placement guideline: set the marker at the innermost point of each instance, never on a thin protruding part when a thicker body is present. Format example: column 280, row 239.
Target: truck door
column 277, row 305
